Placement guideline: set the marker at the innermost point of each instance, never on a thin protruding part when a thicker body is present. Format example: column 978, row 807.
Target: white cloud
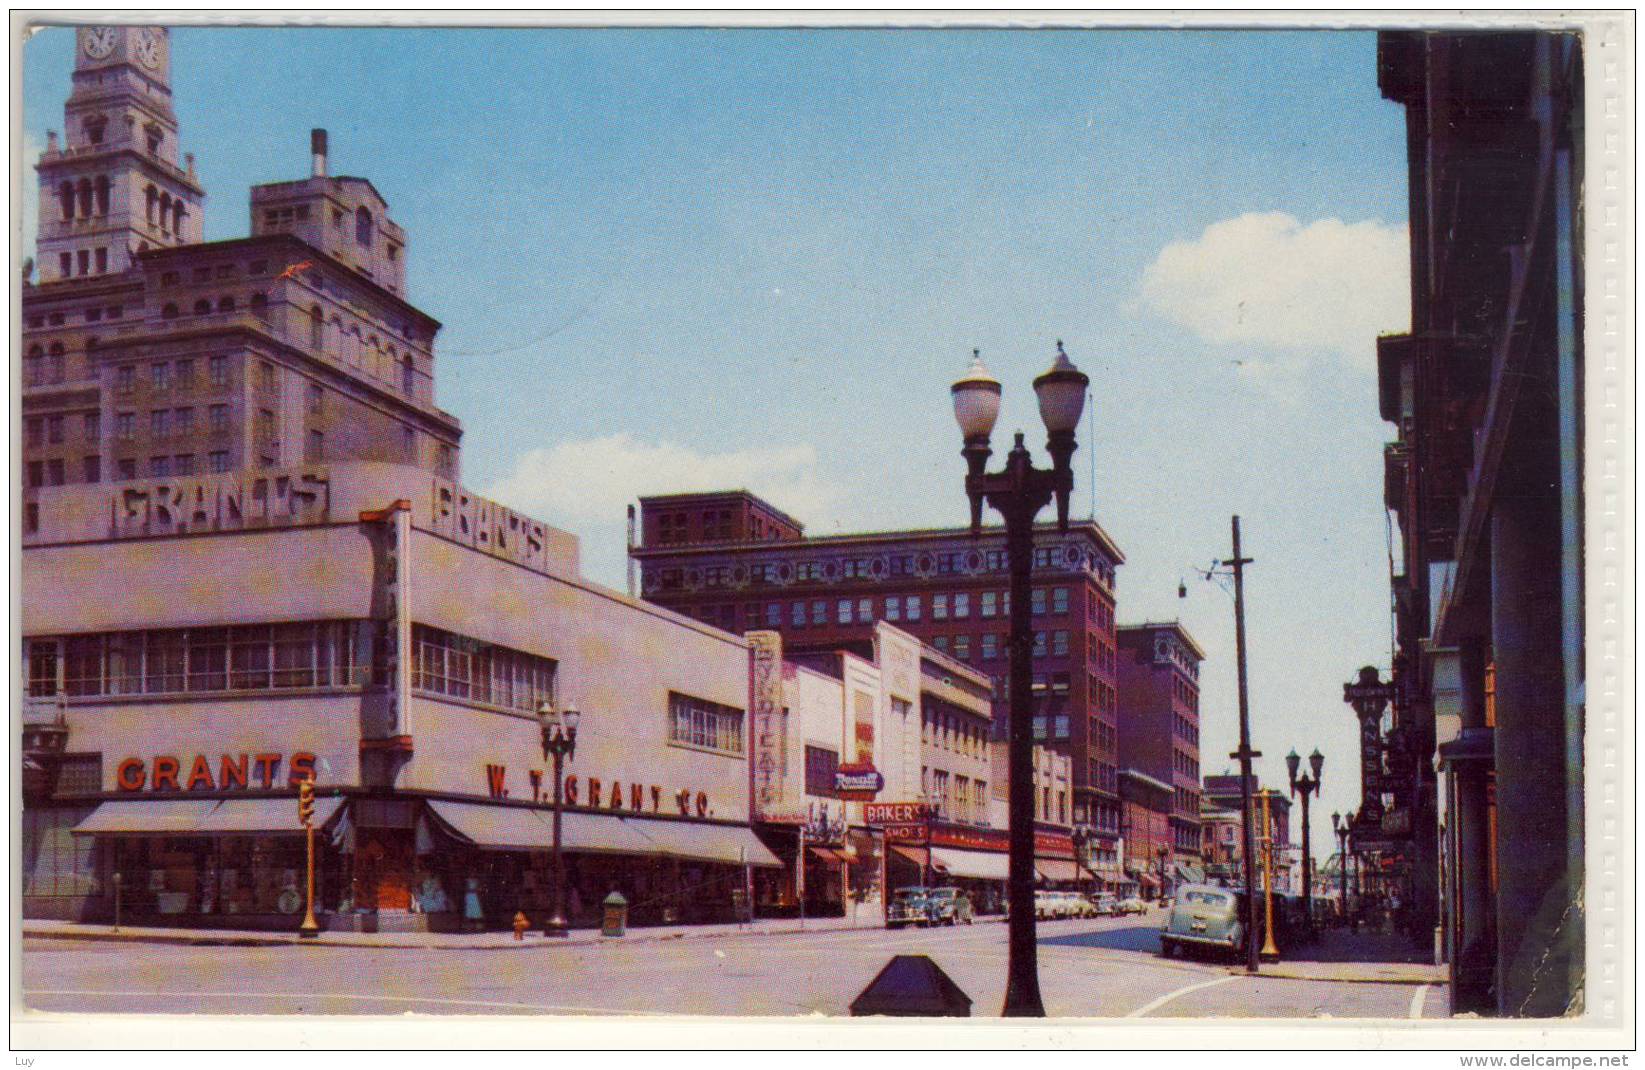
column 584, row 485
column 1267, row 281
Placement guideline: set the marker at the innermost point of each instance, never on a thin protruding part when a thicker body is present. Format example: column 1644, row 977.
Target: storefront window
column 455, row 665
column 705, row 724
column 249, row 657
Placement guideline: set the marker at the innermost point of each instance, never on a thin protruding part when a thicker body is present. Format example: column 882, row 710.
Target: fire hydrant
column 521, row 924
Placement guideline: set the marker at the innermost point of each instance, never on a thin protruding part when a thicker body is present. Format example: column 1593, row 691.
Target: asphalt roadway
column 1103, row 968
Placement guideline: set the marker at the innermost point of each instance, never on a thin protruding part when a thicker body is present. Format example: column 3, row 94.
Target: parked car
column 1102, row 903
column 908, row 907
column 1204, row 917
column 948, row 906
column 1048, row 905
column 1131, row 905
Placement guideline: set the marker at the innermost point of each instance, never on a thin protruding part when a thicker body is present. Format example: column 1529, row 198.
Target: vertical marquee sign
column 769, row 765
column 1369, row 696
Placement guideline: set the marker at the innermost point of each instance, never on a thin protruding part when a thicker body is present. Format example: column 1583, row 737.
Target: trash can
column 615, row 914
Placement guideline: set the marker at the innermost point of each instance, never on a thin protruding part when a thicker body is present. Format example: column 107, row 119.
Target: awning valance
column 1187, row 871
column 202, row 817
column 978, row 865
column 1056, row 869
column 916, row 855
column 518, row 828
column 826, row 854
column 707, row 843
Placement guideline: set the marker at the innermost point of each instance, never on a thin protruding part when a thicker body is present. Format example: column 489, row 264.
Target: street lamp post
column 1307, row 785
column 1340, row 828
column 1018, row 493
column 559, row 744
column 1162, row 852
column 1270, row 947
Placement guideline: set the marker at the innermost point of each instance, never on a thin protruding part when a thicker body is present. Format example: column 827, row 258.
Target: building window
column 102, row 260
column 1039, row 644
column 820, row 766
column 265, row 375
column 893, row 608
column 34, row 425
column 217, row 368
column 54, row 428
column 1036, row 602
column 819, row 613
column 962, row 606
column 315, row 450
column 362, row 227
column 1059, row 642
column 1059, row 600
column 865, row 610
column 184, row 465
column 160, row 423
column 796, row 615
column 460, row 667
column 54, row 472
column 316, row 399
column 217, row 461
column 92, row 469
column 184, row 422
column 125, row 426
column 125, row 379
column 962, row 647
column 699, row 723
column 911, row 607
column 939, row 607
column 990, row 646
column 37, row 474
column 990, row 601
column 160, row 376
column 159, row 467
column 127, row 467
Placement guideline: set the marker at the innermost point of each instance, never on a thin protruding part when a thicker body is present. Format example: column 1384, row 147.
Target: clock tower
column 113, row 187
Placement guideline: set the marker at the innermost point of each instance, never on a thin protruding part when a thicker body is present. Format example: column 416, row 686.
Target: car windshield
column 943, row 893
column 1215, row 899
column 908, row 895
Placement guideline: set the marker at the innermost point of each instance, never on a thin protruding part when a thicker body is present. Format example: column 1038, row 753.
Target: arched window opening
column 102, row 194
column 362, row 227
column 65, row 197
column 226, row 303
column 316, row 329
column 202, row 307
column 85, row 198
column 151, row 196
column 165, row 211
column 169, row 312
column 408, row 377
column 95, row 125
column 177, row 217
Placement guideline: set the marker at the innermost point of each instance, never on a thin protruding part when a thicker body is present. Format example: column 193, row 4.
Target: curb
column 1282, row 975
column 204, row 938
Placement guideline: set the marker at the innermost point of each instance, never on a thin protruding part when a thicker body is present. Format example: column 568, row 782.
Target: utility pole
column 1245, row 754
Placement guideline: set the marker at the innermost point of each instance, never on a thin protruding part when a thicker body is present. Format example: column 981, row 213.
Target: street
column 1106, row 968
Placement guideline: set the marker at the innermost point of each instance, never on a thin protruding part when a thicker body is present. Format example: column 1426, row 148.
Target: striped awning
column 1056, row 869
column 519, row 828
column 978, row 865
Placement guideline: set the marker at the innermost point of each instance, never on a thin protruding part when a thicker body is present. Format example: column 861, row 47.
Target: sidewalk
column 1365, row 956
column 492, row 941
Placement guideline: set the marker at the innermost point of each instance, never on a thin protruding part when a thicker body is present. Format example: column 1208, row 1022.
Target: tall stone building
column 1159, row 746
column 150, row 353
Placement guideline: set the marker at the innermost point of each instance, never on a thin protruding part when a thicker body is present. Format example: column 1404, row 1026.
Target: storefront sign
column 894, row 813
column 233, row 772
column 906, row 833
column 602, row 794
column 858, row 782
column 768, row 764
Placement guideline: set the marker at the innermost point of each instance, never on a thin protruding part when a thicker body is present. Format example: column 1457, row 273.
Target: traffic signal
column 305, row 803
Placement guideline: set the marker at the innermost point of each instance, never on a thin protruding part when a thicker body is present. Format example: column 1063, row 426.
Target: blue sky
column 676, row 259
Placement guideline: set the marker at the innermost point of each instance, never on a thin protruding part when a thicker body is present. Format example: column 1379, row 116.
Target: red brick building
column 732, row 560
column 1158, row 681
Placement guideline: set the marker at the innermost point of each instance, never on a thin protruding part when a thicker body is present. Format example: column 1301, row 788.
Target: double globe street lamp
column 1343, row 827
column 559, row 744
column 1306, row 785
column 1018, row 492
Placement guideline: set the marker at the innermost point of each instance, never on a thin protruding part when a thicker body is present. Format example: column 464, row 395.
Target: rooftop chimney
column 51, row 141
column 188, row 163
column 317, row 143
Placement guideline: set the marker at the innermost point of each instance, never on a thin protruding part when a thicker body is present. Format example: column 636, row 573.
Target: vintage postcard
column 1122, row 531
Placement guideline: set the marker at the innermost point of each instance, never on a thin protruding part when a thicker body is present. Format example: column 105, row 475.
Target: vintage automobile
column 1131, row 905
column 909, row 906
column 1204, row 916
column 948, row 906
column 1102, row 903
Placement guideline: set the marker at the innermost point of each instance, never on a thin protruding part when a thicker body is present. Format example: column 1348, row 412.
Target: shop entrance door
column 383, row 863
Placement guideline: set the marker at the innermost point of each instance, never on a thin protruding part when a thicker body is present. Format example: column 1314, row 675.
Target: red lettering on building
column 571, row 789
column 302, row 767
column 593, row 791
column 656, row 799
column 128, row 775
column 200, row 774
column 165, row 773
column 496, row 781
column 616, row 802
column 267, row 766
column 682, row 799
column 536, row 778
column 229, row 770
column 702, row 804
column 636, row 797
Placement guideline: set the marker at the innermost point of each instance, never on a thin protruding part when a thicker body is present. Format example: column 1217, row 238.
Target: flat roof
column 715, row 495
column 1164, row 625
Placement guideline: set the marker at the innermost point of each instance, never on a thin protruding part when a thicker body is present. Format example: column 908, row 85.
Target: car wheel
column 1167, row 949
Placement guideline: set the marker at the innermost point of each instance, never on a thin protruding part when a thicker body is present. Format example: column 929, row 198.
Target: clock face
column 148, row 49
column 99, row 41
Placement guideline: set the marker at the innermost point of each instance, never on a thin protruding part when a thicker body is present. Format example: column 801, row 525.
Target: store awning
column 826, row 854
column 202, row 817
column 516, row 828
column 1057, row 869
column 916, row 855
column 978, row 865
column 1148, row 880
column 706, row 843
column 1191, row 873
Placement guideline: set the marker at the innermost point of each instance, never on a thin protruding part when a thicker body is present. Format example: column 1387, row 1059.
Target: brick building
column 1222, row 792
column 150, row 353
column 732, row 560
column 1159, row 742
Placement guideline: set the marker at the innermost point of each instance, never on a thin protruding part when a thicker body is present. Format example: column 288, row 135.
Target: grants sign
column 231, row 772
